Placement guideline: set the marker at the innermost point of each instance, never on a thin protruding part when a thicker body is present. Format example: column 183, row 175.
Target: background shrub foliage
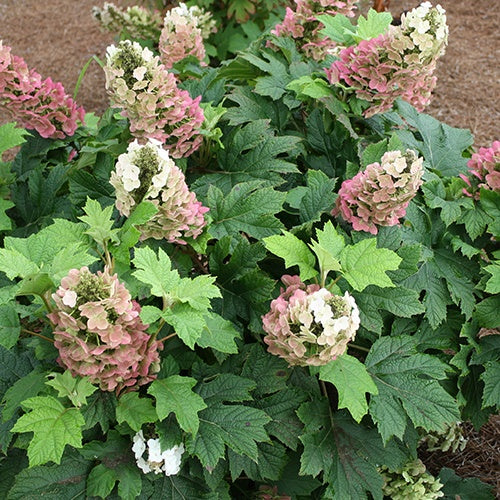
column 278, row 141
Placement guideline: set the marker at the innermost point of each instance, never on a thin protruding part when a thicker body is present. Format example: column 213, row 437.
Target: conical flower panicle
column 411, row 482
column 400, row 63
column 137, row 21
column 99, row 334
column 146, row 172
column 156, row 108
column 484, row 170
column 183, row 32
column 380, row 194
column 33, row 103
column 308, row 325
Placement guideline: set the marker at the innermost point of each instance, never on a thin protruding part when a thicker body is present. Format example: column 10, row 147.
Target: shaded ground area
column 58, row 37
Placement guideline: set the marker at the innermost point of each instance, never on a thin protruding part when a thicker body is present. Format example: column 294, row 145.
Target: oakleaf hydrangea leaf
column 491, row 379
column 135, row 410
column 364, row 264
column 155, row 271
column 352, row 382
column 175, row 394
column 327, row 248
column 10, row 328
column 77, row 389
column 99, row 221
column 53, row 427
column 294, row 252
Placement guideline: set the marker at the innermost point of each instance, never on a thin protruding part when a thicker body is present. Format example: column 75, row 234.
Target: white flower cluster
column 338, row 316
column 158, row 461
column 427, row 28
column 148, row 163
column 183, row 15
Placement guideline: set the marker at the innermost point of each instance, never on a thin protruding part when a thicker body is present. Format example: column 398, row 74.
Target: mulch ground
column 58, row 37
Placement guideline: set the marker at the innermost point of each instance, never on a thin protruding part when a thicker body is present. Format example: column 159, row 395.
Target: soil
column 58, row 37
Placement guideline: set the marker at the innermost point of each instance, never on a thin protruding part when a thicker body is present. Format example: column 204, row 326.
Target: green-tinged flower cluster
column 308, row 325
column 380, row 194
column 136, row 21
column 148, row 94
column 99, row 334
column 146, row 172
column 451, row 439
column 412, row 482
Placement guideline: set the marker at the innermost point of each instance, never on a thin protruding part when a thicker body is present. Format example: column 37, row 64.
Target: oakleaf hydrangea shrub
column 148, row 173
column 33, row 103
column 99, row 334
column 249, row 278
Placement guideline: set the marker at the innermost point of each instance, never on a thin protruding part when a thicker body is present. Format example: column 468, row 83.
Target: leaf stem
column 37, row 335
column 324, row 390
column 359, row 347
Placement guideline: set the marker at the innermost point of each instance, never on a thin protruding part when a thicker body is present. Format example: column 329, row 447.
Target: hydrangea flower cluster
column 184, row 30
column 156, row 108
column 484, row 167
column 308, row 325
column 412, row 482
column 301, row 24
column 136, row 21
column 99, row 334
column 146, row 172
column 451, row 439
column 400, row 63
column 380, row 194
column 167, row 462
column 33, row 103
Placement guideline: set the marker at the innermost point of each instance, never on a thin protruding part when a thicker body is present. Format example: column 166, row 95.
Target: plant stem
column 359, row 347
column 37, row 335
column 325, row 393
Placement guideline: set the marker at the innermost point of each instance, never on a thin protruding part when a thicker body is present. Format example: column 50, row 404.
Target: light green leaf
column 150, row 314
column 493, row 284
column 375, row 24
column 99, row 221
column 77, row 389
column 10, row 328
column 294, row 252
column 53, row 427
column 364, row 264
column 135, row 410
column 155, row 271
column 197, row 292
column 11, row 136
column 219, row 334
column 352, row 381
column 338, row 28
column 35, row 284
column 187, row 322
column 327, row 248
column 14, row 264
column 175, row 394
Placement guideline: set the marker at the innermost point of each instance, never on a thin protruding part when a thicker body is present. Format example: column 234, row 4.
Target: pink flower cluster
column 34, row 103
column 301, row 24
column 156, row 108
column 148, row 173
column 379, row 195
column 99, row 334
column 484, row 166
column 183, row 32
column 308, row 325
column 400, row 63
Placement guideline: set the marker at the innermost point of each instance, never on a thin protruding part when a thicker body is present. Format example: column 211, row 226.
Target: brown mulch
column 479, row 459
column 58, row 37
